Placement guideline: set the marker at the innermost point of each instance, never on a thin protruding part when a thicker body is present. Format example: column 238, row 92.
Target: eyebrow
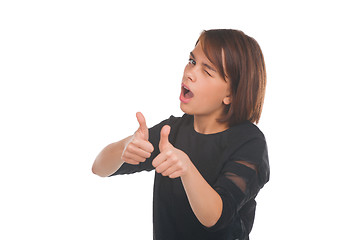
column 204, row 64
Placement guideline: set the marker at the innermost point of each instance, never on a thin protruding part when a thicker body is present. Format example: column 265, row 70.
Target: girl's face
column 204, row 93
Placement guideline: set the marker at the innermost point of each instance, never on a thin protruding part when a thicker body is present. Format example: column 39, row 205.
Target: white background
column 74, row 73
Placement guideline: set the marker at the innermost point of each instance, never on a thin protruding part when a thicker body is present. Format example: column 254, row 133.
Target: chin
column 185, row 109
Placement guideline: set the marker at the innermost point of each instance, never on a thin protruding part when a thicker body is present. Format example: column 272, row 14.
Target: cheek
column 214, row 94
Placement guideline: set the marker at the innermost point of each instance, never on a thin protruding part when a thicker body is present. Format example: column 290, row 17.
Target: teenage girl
column 211, row 162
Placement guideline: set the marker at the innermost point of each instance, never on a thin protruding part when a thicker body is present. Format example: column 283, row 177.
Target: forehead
column 211, row 54
column 198, row 50
column 199, row 54
column 201, row 58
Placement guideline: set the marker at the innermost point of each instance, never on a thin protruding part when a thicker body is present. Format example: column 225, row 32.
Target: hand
column 139, row 148
column 171, row 161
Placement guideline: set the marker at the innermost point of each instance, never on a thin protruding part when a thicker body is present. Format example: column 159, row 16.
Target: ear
column 227, row 100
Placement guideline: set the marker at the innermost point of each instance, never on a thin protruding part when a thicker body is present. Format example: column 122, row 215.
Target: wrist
column 190, row 171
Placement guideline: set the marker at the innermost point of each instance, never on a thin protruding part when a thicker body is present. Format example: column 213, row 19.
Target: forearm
column 205, row 202
column 109, row 159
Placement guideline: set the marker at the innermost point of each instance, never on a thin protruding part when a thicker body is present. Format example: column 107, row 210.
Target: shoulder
column 245, row 132
column 246, row 141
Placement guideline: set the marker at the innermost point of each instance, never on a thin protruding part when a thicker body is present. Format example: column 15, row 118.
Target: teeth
column 186, row 88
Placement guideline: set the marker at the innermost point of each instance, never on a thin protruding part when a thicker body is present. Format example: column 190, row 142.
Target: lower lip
column 183, row 99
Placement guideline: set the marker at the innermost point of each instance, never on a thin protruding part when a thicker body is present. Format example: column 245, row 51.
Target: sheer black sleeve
column 241, row 178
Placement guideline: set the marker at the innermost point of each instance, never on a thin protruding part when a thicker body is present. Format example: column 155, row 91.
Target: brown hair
column 238, row 58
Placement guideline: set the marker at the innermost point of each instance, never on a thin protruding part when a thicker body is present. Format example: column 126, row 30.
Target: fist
column 138, row 148
column 171, row 162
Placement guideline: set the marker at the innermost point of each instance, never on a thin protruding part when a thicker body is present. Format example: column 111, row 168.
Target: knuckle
column 130, row 147
column 169, row 154
column 135, row 141
column 174, row 159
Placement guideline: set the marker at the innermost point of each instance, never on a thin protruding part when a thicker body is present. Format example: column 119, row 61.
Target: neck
column 206, row 125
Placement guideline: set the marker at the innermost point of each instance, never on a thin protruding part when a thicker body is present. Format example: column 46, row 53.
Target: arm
column 133, row 150
column 205, row 202
column 203, row 197
column 109, row 159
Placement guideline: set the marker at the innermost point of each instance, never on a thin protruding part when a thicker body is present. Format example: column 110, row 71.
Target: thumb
column 164, row 138
column 142, row 128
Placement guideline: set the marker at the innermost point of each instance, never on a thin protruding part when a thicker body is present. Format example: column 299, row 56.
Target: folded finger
column 135, row 157
column 175, row 174
column 143, row 144
column 159, row 160
column 131, row 161
column 170, row 170
column 135, row 150
column 163, row 167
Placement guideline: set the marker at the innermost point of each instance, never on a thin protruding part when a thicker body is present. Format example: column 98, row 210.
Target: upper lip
column 185, row 86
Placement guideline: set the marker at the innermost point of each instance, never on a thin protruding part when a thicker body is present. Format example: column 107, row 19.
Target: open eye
column 192, row 61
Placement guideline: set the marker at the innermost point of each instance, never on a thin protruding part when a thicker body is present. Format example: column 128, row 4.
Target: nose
column 189, row 74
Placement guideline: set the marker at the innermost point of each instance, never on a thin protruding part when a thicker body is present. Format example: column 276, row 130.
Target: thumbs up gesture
column 138, row 148
column 171, row 162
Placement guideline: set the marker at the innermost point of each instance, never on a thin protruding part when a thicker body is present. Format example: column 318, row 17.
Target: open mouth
column 185, row 92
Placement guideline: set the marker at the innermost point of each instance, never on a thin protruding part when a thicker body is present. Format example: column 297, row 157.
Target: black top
column 216, row 156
